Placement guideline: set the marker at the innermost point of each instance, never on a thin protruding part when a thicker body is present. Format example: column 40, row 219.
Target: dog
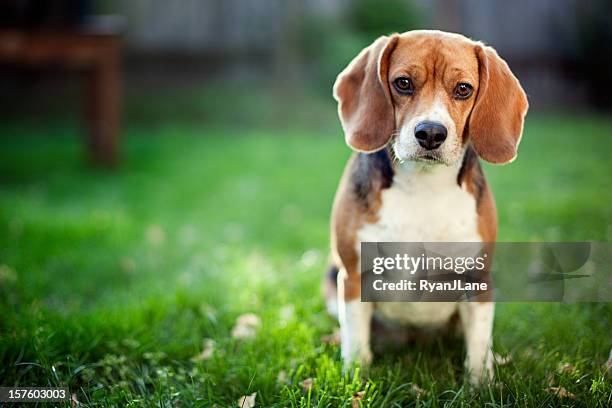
column 420, row 109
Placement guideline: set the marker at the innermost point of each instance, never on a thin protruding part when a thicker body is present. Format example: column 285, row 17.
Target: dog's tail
column 330, row 290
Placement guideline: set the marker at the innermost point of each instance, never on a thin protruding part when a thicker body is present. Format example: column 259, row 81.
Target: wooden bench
column 93, row 49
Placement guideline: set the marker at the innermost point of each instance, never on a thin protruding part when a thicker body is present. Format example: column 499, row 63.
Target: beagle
column 419, row 108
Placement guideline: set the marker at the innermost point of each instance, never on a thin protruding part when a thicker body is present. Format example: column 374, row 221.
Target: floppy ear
column 364, row 101
column 496, row 123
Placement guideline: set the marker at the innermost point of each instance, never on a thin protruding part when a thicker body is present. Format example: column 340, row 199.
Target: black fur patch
column 471, row 166
column 369, row 168
column 332, row 274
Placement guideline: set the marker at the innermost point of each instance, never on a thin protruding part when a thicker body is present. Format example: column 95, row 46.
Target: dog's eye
column 463, row 90
column 404, row 85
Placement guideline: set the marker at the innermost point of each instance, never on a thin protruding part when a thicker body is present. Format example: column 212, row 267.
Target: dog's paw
column 481, row 374
column 363, row 357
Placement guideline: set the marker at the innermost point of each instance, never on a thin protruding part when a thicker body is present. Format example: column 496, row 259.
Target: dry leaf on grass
column 418, row 391
column 500, row 386
column 247, row 401
column 502, row 360
column 332, row 339
column 531, row 353
column 7, row 274
column 155, row 235
column 74, row 402
column 566, row 368
column 560, row 392
column 358, row 396
column 282, row 377
column 307, row 384
column 246, row 326
column 208, row 349
column 286, row 314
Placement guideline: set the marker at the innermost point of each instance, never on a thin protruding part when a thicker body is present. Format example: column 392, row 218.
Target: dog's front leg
column 355, row 319
column 477, row 325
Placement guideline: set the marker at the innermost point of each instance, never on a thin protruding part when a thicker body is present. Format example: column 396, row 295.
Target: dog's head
column 430, row 93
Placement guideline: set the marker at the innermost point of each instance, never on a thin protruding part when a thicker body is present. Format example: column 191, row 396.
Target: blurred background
column 560, row 50
column 168, row 165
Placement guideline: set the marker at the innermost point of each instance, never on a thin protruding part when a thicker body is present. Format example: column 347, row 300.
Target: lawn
column 110, row 281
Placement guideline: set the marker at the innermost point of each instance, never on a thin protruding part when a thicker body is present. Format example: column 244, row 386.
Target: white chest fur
column 422, row 205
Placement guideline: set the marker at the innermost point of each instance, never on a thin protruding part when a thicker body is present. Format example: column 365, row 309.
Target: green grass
column 111, row 280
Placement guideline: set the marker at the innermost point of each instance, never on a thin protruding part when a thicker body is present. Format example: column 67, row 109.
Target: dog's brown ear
column 364, row 101
column 496, row 123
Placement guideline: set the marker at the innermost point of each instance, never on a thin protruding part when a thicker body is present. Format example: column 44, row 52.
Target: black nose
column 430, row 135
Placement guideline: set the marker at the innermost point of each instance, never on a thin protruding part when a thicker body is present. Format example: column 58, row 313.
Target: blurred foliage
column 327, row 44
column 375, row 17
column 326, row 49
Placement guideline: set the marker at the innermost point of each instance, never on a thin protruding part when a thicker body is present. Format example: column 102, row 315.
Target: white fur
column 428, row 315
column 477, row 325
column 406, row 147
column 424, row 204
column 355, row 318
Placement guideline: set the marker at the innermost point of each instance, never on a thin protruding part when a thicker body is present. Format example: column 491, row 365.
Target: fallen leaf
column 502, row 360
column 418, row 391
column 7, row 274
column 208, row 349
column 155, row 235
column 246, row 326
column 560, row 392
column 307, row 384
column 282, row 377
column 332, row 339
column 247, row 401
column 566, row 368
column 286, row 314
column 531, row 353
column 358, row 396
column 310, row 258
column 74, row 402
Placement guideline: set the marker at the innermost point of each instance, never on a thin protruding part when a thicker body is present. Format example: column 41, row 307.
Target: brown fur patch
column 357, row 201
column 472, row 179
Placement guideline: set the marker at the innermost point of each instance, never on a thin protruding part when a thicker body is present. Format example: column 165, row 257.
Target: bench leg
column 102, row 94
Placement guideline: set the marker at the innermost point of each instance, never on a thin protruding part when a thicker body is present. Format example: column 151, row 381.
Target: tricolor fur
column 404, row 186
